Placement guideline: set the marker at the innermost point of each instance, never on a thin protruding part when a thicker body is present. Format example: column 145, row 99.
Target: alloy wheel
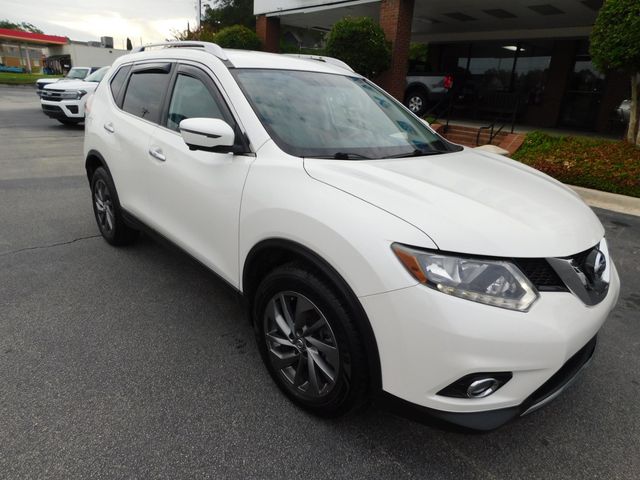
column 415, row 104
column 301, row 345
column 104, row 206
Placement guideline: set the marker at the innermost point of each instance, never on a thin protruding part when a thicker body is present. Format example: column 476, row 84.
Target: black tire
column 350, row 387
column 417, row 101
column 66, row 121
column 110, row 222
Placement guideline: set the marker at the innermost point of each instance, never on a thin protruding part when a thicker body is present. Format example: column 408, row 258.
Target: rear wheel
column 416, row 101
column 106, row 209
column 309, row 342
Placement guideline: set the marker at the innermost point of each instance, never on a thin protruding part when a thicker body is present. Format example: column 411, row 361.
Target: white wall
column 86, row 56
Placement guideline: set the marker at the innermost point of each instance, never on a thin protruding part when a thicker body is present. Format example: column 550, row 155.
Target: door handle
column 109, row 127
column 156, row 153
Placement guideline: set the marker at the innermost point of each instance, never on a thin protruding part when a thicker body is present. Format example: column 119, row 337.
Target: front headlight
column 492, row 282
column 73, row 94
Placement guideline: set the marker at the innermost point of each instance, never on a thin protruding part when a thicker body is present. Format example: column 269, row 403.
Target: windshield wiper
column 343, row 156
column 418, row 153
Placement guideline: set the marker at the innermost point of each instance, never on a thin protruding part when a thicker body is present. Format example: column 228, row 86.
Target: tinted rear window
column 144, row 94
column 118, row 81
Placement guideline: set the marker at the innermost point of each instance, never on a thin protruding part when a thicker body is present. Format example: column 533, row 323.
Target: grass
column 606, row 165
column 7, row 78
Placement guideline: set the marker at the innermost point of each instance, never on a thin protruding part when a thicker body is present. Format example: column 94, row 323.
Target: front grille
column 540, row 273
column 579, row 258
column 51, row 96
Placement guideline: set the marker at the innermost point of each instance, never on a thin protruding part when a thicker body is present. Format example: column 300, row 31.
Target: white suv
column 378, row 260
column 65, row 101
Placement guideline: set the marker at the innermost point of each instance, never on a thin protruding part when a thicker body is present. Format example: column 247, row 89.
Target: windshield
column 78, row 73
column 97, row 75
column 310, row 114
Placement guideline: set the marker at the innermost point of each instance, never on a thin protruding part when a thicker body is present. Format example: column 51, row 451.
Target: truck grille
column 52, row 95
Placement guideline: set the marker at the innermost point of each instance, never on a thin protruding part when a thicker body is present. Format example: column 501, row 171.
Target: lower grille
column 559, row 380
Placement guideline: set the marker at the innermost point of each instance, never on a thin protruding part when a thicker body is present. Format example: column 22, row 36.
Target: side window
column 118, row 81
column 191, row 99
column 144, row 94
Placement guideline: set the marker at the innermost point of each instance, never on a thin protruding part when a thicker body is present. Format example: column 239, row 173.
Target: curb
column 609, row 201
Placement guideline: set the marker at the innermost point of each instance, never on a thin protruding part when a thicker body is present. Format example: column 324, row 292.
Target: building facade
column 26, row 49
column 536, row 51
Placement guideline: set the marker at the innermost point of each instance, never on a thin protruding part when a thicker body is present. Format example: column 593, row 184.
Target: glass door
column 584, row 93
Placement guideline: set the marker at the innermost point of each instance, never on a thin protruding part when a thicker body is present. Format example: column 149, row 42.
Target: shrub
column 607, row 165
column 237, row 36
column 360, row 42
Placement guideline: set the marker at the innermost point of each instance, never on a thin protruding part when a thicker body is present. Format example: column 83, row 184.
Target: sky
column 140, row 20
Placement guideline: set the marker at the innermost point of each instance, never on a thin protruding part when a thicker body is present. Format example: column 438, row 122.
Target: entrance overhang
column 439, row 21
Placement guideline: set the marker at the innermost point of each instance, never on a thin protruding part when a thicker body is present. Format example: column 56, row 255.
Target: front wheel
column 309, row 342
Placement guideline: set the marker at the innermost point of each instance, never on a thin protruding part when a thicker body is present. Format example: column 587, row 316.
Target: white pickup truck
column 425, row 89
column 65, row 101
column 76, row 73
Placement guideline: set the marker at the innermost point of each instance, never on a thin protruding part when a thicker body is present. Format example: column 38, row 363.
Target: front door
column 197, row 193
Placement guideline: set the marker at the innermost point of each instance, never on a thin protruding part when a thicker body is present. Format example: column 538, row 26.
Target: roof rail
column 212, row 48
column 321, row 58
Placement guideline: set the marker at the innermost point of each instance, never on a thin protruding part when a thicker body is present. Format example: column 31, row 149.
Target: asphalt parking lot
column 137, row 363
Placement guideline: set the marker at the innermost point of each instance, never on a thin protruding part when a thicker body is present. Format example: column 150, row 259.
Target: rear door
column 140, row 102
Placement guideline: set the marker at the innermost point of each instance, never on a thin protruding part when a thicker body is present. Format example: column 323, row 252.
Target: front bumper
column 71, row 109
column 492, row 419
column 428, row 340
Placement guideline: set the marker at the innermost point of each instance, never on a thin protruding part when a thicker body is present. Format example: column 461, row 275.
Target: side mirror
column 208, row 134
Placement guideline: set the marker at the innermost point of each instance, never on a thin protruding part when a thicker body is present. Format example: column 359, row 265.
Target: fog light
column 476, row 385
column 482, row 388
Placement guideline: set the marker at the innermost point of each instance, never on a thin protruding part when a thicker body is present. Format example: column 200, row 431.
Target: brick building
column 535, row 48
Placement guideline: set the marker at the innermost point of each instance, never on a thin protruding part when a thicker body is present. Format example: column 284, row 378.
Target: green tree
column 226, row 13
column 238, row 36
column 23, row 26
column 418, row 52
column 615, row 46
column 204, row 34
column 360, row 42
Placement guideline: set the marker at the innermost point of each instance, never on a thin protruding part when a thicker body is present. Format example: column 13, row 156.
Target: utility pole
column 199, row 13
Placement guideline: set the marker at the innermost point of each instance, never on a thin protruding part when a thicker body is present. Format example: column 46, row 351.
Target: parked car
column 8, row 69
column 65, row 101
column 424, row 88
column 623, row 112
column 76, row 73
column 377, row 259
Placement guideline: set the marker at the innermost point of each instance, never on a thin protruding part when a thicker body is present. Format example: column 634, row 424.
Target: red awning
column 28, row 37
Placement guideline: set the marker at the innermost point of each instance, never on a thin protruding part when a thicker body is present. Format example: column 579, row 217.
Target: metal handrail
column 493, row 134
column 209, row 47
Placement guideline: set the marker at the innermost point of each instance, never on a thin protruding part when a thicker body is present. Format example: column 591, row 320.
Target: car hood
column 471, row 202
column 72, row 85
